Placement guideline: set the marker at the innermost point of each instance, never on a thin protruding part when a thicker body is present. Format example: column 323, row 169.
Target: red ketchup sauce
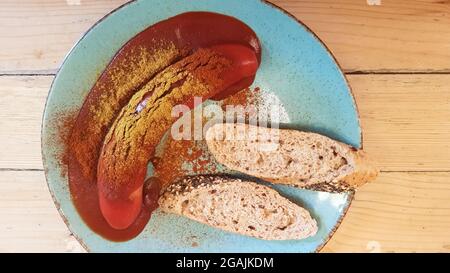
column 189, row 31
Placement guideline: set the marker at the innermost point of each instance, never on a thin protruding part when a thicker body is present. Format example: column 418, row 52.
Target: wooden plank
column 29, row 220
column 405, row 120
column 36, row 35
column 399, row 212
column 401, row 35
column 22, row 101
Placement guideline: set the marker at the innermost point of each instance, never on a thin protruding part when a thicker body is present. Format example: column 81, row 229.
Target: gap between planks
column 356, row 72
column 405, row 171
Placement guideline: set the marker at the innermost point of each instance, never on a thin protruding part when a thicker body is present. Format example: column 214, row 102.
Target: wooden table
column 396, row 57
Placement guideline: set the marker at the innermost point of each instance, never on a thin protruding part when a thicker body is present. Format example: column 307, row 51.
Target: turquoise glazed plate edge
column 311, row 87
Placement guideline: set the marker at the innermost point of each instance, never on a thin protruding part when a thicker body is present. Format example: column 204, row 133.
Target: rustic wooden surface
column 397, row 60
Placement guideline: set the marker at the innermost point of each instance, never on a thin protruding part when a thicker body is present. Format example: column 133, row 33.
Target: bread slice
column 292, row 157
column 238, row 206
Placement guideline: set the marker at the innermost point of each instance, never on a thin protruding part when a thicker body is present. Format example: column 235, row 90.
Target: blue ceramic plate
column 297, row 70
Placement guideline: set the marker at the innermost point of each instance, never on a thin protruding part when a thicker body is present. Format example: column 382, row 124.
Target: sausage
column 141, row 124
column 160, row 46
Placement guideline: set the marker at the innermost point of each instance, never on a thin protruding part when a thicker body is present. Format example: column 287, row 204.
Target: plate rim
column 350, row 194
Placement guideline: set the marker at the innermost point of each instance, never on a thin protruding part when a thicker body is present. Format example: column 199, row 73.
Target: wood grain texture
column 400, row 35
column 405, row 120
column 399, row 129
column 29, row 221
column 36, row 35
column 22, row 102
column 399, row 212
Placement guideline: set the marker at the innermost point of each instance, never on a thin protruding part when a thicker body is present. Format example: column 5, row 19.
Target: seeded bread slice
column 238, row 206
column 292, row 157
